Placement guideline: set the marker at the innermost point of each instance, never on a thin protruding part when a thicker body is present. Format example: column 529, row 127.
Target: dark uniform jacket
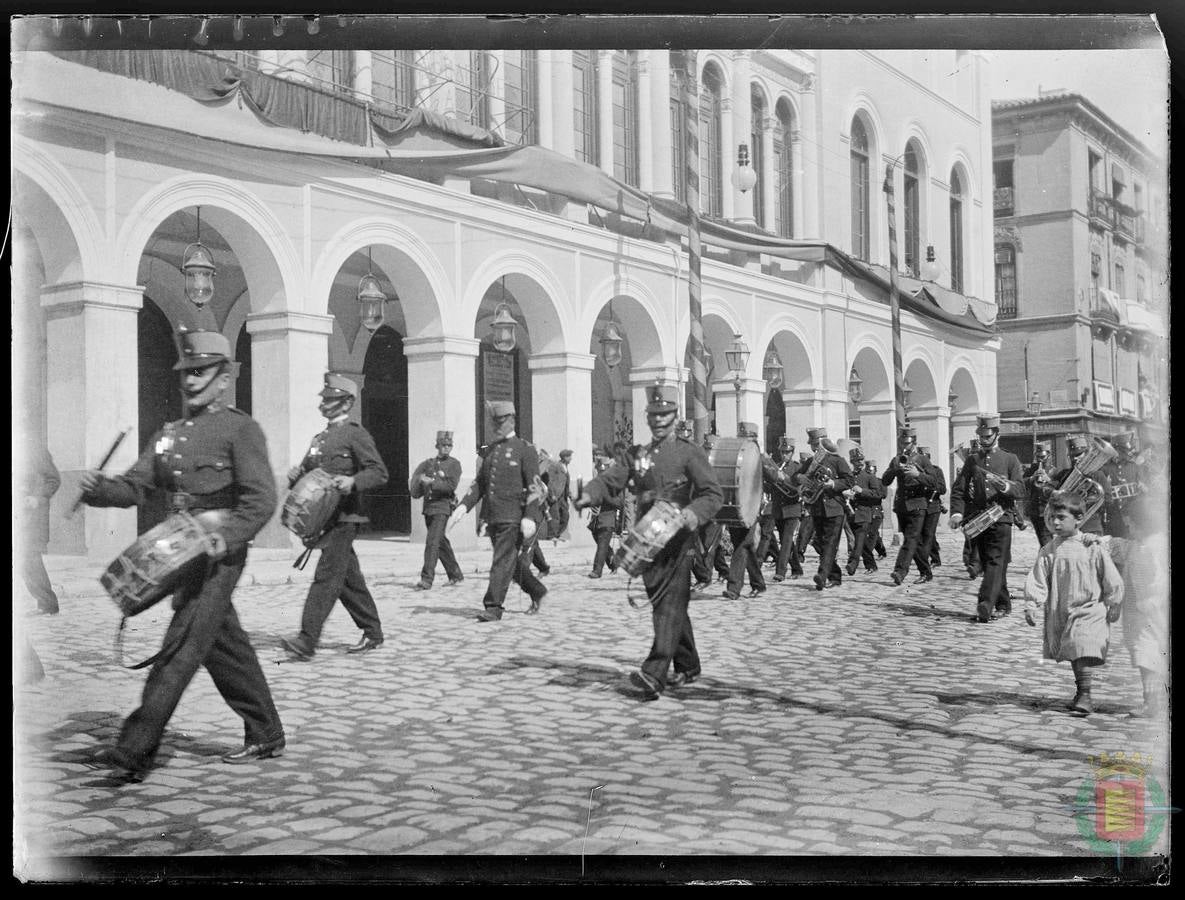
column 830, row 502
column 968, row 495
column 440, row 497
column 41, row 480
column 504, row 483
column 605, row 516
column 216, row 459
column 346, row 448
column 672, row 469
column 935, row 496
column 868, row 501
column 913, row 494
column 783, row 489
column 1036, row 493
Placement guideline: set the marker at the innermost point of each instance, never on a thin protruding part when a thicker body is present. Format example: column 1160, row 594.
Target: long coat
column 1076, row 583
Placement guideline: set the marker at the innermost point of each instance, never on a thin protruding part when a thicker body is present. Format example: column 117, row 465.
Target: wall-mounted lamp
column 930, row 268
column 313, row 24
column 237, row 29
column 772, row 370
column 743, row 178
column 611, row 340
column 855, row 386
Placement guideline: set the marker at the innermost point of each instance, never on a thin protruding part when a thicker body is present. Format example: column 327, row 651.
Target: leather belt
column 181, row 501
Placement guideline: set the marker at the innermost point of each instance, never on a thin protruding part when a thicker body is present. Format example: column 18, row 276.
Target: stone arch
column 72, row 247
column 869, row 359
column 961, row 382
column 537, row 291
column 723, row 71
column 920, row 372
column 636, row 310
column 788, row 337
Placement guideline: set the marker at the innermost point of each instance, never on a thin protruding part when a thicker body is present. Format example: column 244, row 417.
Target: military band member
column 436, row 480
column 866, row 495
column 214, row 465
column 1038, row 487
column 990, row 476
column 713, row 539
column 1077, row 446
column 506, row 486
column 346, row 451
column 603, row 523
column 928, row 546
column 915, row 482
column 745, row 540
column 827, row 511
column 787, row 506
column 878, row 521
column 806, row 528
column 1123, row 471
column 673, row 469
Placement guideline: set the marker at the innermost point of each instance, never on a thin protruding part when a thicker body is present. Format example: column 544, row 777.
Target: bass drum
column 737, row 464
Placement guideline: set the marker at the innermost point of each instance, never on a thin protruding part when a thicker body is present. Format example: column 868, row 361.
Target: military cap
column 660, row 399
column 200, row 349
column 786, row 442
column 1125, row 440
column 566, row 455
column 1044, row 446
column 747, row 429
column 813, row 433
column 338, row 386
column 988, row 422
column 855, row 453
column 907, row 431
column 1076, row 444
column 444, row 437
column 500, row 408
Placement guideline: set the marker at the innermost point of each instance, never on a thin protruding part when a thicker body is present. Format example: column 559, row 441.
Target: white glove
column 956, row 520
column 690, row 519
column 527, row 527
column 456, row 516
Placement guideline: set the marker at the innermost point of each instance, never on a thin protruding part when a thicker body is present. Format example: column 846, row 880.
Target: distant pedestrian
column 1081, row 591
column 436, row 480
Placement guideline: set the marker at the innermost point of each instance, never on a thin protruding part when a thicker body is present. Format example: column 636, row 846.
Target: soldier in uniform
column 603, row 523
column 876, row 541
column 806, row 528
column 928, row 546
column 544, row 521
column 787, row 506
column 989, row 476
column 1077, row 446
column 346, row 451
column 39, row 482
column 1124, row 471
column 1038, row 487
column 915, row 482
column 713, row 538
column 827, row 511
column 507, row 485
column 867, row 494
column 745, row 541
column 214, row 465
column 436, row 480
column 676, row 470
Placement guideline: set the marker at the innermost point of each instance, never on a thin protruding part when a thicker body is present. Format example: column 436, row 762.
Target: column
column 752, row 405
column 768, row 162
column 289, row 356
column 563, row 128
column 742, row 121
column 807, row 196
column 645, row 122
column 544, row 102
column 933, row 425
column 962, row 427
column 804, row 409
column 728, row 158
column 92, row 394
column 436, row 366
column 658, row 127
column 363, row 75
column 605, row 110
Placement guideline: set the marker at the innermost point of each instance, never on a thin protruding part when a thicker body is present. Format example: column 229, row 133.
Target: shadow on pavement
column 927, row 612
column 1025, row 701
column 461, row 612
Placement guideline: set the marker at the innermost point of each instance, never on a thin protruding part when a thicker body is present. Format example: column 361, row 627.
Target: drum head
column 737, row 464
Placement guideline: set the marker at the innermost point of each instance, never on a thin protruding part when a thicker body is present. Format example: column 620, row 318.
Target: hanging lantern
column 504, row 328
column 855, row 386
column 771, row 369
column 611, row 344
column 737, row 355
column 197, row 265
column 371, row 299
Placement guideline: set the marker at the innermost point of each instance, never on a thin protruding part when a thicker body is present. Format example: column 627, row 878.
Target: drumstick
column 102, row 465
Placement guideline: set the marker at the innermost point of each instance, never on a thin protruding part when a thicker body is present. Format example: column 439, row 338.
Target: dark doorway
column 775, row 420
column 500, row 377
column 384, row 415
column 159, row 394
column 243, row 381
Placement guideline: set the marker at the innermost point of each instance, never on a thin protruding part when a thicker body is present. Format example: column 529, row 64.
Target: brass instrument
column 783, row 484
column 815, row 477
column 1079, row 480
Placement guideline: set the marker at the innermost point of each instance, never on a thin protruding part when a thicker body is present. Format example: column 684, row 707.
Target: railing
column 1100, row 208
column 1127, row 224
column 1003, row 198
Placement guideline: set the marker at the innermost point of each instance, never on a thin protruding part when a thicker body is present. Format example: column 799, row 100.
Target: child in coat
column 1081, row 591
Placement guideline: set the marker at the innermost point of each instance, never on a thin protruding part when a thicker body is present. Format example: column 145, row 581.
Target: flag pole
column 699, row 411
column 895, row 304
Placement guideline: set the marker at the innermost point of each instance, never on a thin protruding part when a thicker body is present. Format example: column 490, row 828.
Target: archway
column 503, row 375
column 384, row 415
column 159, row 399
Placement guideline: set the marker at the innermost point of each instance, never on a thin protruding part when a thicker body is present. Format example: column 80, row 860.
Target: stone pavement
column 867, row 719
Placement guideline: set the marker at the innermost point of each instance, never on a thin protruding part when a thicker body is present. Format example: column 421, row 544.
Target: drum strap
column 166, row 652
column 303, row 559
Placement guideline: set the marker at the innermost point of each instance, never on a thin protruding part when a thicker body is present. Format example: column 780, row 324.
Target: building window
column 956, row 232
column 1118, row 185
column 1141, row 289
column 861, row 214
column 784, row 172
column 678, row 120
column 1118, row 286
column 1003, row 199
column 522, row 96
column 1096, row 273
column 1006, row 280
column 1094, row 164
column 711, row 149
column 912, row 209
column 331, row 69
column 625, row 116
column 756, row 146
column 584, row 105
column 473, row 87
column 393, row 80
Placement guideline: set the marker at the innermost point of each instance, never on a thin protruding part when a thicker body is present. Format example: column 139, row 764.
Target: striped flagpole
column 895, row 305
column 699, row 411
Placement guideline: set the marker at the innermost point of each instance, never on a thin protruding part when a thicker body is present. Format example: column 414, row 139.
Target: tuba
column 1079, row 480
column 815, row 476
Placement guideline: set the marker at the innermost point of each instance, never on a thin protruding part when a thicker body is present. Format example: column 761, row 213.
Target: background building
column 1081, row 274
column 269, row 158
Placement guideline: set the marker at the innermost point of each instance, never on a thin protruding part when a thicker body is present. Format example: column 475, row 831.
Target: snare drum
column 153, row 567
column 646, row 539
column 737, row 464
column 310, row 505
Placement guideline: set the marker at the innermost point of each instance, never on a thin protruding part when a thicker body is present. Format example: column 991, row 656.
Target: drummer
column 346, row 451
column 673, row 469
column 212, row 464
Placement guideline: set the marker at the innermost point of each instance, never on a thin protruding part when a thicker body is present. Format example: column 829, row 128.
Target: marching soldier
column 990, row 476
column 1078, row 445
column 787, row 506
column 714, row 540
column 603, row 523
column 1125, row 476
column 436, row 480
column 831, row 478
column 346, row 451
column 928, row 546
column 878, row 520
column 915, row 482
column 678, row 471
column 212, row 464
column 510, row 490
column 867, row 494
column 744, row 546
column 806, row 528
column 1038, row 487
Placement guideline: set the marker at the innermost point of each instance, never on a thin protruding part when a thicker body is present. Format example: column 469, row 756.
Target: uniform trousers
column 928, row 545
column 668, row 585
column 744, row 559
column 602, row 535
column 339, row 577
column 806, row 535
column 768, row 545
column 508, row 565
column 827, row 531
column 204, row 631
column 862, row 541
column 995, row 551
column 37, row 580
column 878, row 520
column 911, row 522
column 438, row 546
column 537, row 559
column 788, row 554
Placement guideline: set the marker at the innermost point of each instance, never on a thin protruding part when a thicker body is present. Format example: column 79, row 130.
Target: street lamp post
column 738, row 359
column 1034, row 407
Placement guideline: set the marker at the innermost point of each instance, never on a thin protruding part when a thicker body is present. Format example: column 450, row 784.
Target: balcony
column 1129, row 225
column 1003, row 200
column 1101, row 209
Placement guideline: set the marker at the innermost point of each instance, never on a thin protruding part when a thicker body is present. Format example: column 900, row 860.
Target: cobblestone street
column 866, row 720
